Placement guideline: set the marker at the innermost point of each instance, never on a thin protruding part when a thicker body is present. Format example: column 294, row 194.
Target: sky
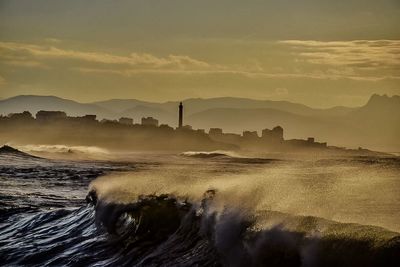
column 317, row 52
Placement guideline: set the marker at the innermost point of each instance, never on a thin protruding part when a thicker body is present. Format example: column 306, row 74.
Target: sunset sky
column 316, row 52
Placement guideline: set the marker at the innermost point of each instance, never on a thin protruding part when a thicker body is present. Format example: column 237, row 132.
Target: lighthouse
column 180, row 115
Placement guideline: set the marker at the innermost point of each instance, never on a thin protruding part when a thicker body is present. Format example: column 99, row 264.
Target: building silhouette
column 180, row 115
column 250, row 134
column 26, row 115
column 149, row 121
column 276, row 134
column 125, row 121
column 48, row 116
column 215, row 132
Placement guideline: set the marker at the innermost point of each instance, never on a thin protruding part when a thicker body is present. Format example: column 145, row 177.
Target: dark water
column 215, row 210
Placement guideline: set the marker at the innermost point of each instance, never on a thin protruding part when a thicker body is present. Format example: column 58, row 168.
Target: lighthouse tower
column 180, row 115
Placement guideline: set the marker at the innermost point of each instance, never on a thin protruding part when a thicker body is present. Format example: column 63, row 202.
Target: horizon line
column 187, row 99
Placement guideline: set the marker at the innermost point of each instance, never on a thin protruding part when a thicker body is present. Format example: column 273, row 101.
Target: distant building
column 276, row 134
column 26, row 115
column 149, row 121
column 250, row 134
column 126, row 121
column 180, row 115
column 166, row 127
column 309, row 143
column 107, row 121
column 187, row 127
column 83, row 119
column 87, row 118
column 227, row 138
column 215, row 131
column 45, row 116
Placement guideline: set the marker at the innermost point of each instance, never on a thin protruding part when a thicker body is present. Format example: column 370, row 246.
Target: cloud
column 360, row 54
column 346, row 55
column 20, row 52
column 25, row 63
column 52, row 40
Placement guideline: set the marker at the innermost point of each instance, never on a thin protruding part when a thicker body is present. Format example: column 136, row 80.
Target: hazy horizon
column 321, row 54
column 194, row 98
column 283, row 152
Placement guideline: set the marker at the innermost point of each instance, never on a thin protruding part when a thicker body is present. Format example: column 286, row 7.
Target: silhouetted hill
column 195, row 105
column 34, row 103
column 121, row 105
column 378, row 106
column 140, row 111
column 374, row 125
column 295, row 126
column 379, row 121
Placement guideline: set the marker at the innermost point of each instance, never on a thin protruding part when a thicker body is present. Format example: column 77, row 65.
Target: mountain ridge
column 374, row 125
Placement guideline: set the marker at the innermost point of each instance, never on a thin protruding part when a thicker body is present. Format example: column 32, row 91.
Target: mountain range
column 376, row 125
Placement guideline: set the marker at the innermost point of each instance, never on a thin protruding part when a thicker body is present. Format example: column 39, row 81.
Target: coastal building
column 149, row 121
column 26, row 115
column 250, row 134
column 166, row 127
column 108, row 121
column 46, row 116
column 187, row 127
column 309, row 143
column 83, row 119
column 228, row 138
column 88, row 118
column 126, row 121
column 276, row 134
column 215, row 131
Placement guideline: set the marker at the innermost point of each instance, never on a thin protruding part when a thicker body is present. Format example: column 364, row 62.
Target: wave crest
column 233, row 238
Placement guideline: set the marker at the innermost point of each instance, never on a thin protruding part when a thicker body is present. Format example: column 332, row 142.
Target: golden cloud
column 20, row 52
column 361, row 54
column 354, row 53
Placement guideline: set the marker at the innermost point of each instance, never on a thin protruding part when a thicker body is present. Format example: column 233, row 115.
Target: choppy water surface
column 200, row 209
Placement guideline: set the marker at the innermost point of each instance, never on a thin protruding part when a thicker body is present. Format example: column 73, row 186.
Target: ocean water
column 198, row 209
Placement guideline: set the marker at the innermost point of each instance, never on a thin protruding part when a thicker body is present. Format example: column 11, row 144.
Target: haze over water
column 205, row 205
column 362, row 190
column 185, row 133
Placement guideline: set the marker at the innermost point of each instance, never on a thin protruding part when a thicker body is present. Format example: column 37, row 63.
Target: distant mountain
column 331, row 129
column 375, row 125
column 195, row 105
column 34, row 103
column 139, row 111
column 121, row 105
column 256, row 119
column 198, row 105
column 379, row 121
column 379, row 106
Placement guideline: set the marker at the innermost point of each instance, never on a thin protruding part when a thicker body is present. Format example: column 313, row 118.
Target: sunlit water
column 262, row 210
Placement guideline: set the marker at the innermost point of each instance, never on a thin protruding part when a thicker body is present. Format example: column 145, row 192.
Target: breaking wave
column 213, row 154
column 164, row 230
column 64, row 151
column 229, row 156
column 190, row 214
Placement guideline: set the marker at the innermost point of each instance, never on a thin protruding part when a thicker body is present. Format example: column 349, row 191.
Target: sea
column 86, row 206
